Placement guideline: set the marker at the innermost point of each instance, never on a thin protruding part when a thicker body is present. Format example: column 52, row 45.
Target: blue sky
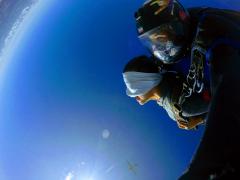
column 62, row 87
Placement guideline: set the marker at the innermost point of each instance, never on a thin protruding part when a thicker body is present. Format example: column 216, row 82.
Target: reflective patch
column 206, row 96
column 183, row 16
column 140, row 30
column 162, row 4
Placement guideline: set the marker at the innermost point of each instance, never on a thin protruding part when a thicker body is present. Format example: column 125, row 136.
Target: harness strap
column 194, row 81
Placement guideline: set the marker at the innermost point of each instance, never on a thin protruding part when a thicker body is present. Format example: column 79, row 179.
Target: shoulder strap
column 194, row 83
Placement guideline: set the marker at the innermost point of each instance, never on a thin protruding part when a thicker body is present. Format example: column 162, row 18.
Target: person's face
column 151, row 95
column 163, row 44
column 166, row 42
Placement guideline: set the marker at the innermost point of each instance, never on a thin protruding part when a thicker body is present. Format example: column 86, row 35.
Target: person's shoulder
column 197, row 11
column 215, row 14
column 202, row 13
column 216, row 23
column 211, row 10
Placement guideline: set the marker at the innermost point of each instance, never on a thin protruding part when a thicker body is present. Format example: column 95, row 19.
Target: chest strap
column 194, row 83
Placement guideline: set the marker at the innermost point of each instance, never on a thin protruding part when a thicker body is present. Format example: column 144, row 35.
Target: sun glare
column 69, row 176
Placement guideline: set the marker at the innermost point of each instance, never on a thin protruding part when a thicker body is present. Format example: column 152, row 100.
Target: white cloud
column 15, row 27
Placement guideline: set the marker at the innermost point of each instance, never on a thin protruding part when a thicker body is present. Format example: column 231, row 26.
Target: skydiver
column 208, row 41
column 145, row 81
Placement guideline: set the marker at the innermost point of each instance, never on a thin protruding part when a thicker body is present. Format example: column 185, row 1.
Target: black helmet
column 162, row 26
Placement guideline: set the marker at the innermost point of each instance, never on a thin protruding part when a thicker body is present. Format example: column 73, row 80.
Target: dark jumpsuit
column 217, row 33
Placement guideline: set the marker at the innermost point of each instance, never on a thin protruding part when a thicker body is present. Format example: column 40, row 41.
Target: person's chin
column 141, row 103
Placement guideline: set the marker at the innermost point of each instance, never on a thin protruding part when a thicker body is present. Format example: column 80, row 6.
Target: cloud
column 7, row 32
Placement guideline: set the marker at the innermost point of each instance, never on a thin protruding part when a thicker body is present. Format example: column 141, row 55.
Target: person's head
column 145, row 81
column 163, row 27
